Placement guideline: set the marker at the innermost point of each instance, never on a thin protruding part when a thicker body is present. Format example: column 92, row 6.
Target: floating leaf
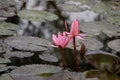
column 99, row 7
column 4, row 47
column 101, row 75
column 3, row 18
column 37, row 15
column 7, row 8
column 69, row 7
column 115, row 45
column 4, row 32
column 4, row 60
column 46, row 74
column 27, row 43
column 90, row 43
column 35, row 69
column 6, row 77
column 31, row 77
column 19, row 54
column 7, row 29
column 101, row 60
column 48, row 57
column 5, row 68
column 101, row 56
column 91, row 73
column 8, row 26
column 66, row 75
column 95, row 28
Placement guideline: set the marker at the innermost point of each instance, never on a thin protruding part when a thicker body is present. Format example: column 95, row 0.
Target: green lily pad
column 91, row 73
column 69, row 7
column 114, row 17
column 48, row 57
column 101, row 56
column 90, row 43
column 101, row 75
column 67, row 75
column 95, row 28
column 35, row 69
column 6, row 77
column 27, row 43
column 7, row 29
column 46, row 74
column 39, row 16
column 7, row 8
column 99, row 7
column 101, row 60
column 4, row 47
column 8, row 26
column 19, row 54
column 115, row 45
column 2, row 65
column 4, row 68
column 3, row 60
column 31, row 77
column 4, row 32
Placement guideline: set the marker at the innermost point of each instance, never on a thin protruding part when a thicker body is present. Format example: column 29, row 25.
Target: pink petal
column 75, row 28
column 80, row 38
column 55, row 40
column 67, row 40
column 83, row 35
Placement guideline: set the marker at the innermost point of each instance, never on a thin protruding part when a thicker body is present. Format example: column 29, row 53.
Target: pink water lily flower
column 75, row 30
column 61, row 40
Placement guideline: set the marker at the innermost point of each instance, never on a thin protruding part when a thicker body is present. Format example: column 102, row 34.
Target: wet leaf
column 101, row 60
column 7, row 29
column 6, row 77
column 19, row 54
column 27, row 43
column 46, row 74
column 37, row 15
column 95, row 28
column 35, row 69
column 48, row 57
column 7, row 8
column 4, row 60
column 31, row 77
column 115, row 45
column 92, row 73
column 66, row 75
column 8, row 26
column 91, row 44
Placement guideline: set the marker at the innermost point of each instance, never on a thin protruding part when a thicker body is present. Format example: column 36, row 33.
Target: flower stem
column 75, row 54
column 63, row 58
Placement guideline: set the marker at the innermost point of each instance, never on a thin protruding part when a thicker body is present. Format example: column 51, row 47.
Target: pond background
column 100, row 19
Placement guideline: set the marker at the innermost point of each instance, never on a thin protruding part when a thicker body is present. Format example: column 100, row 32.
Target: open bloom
column 61, row 40
column 75, row 30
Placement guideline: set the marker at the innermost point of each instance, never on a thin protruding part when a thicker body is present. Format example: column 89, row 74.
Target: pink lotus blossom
column 75, row 30
column 61, row 40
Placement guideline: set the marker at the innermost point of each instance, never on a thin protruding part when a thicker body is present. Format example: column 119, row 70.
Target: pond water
column 26, row 52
